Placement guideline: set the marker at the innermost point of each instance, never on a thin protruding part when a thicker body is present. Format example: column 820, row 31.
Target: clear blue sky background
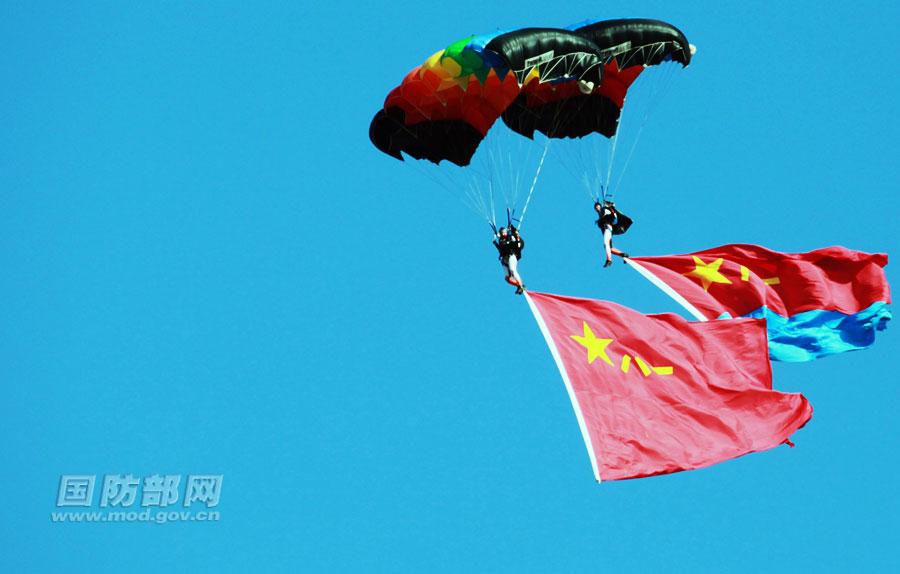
column 205, row 267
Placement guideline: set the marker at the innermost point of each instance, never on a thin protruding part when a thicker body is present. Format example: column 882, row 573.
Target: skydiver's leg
column 512, row 267
column 607, row 244
column 509, row 276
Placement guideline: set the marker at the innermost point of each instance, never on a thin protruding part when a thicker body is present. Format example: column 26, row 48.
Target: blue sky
column 207, row 268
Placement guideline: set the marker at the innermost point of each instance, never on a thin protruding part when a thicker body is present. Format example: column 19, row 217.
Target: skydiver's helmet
column 502, row 232
column 598, row 206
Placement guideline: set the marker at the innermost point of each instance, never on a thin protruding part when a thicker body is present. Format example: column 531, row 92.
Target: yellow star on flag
column 595, row 347
column 708, row 273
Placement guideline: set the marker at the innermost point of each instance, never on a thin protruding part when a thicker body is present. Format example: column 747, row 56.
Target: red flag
column 656, row 394
column 740, row 279
column 816, row 304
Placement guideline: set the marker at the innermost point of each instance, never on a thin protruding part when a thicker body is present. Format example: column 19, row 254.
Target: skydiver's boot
column 520, row 290
column 608, row 263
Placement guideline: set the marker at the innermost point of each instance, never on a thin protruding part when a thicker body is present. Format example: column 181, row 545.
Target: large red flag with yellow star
column 818, row 303
column 656, row 394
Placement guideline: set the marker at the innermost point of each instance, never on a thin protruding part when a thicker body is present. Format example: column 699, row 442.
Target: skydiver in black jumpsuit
column 509, row 245
column 611, row 222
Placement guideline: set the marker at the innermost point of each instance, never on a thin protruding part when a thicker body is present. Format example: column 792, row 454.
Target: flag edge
column 554, row 352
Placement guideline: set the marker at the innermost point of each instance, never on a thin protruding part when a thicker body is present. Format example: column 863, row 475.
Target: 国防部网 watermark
column 127, row 498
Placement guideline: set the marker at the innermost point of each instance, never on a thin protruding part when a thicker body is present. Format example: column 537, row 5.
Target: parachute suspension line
column 511, row 182
column 493, row 211
column 473, row 190
column 517, row 175
column 512, row 175
column 659, row 85
column 537, row 174
column 584, row 160
column 593, row 157
column 496, row 168
column 580, row 156
column 621, row 174
column 637, row 136
column 503, row 167
column 475, row 195
column 614, row 143
column 588, row 187
column 448, row 188
column 565, row 157
column 492, row 184
column 480, row 194
column 513, row 197
column 475, row 198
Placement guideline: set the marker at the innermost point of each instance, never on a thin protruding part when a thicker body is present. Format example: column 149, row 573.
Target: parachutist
column 611, row 222
column 510, row 245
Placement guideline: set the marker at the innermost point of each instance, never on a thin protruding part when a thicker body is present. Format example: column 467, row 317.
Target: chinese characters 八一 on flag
column 818, row 303
column 656, row 394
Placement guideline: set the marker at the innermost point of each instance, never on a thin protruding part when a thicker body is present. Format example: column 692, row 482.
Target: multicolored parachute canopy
column 560, row 82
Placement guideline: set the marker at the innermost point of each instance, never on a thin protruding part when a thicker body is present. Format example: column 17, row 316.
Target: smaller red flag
column 656, row 394
column 739, row 279
column 816, row 304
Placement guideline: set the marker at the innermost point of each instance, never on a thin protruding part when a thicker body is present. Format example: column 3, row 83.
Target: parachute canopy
column 560, row 82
